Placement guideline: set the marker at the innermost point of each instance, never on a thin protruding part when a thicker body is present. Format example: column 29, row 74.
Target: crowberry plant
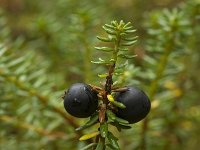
column 109, row 104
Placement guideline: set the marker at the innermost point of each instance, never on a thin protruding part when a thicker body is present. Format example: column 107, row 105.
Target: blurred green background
column 45, row 46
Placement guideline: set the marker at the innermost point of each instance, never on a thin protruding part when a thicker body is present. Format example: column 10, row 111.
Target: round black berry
column 80, row 100
column 137, row 104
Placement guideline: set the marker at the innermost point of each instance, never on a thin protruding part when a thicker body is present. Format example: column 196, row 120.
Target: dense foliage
column 45, row 46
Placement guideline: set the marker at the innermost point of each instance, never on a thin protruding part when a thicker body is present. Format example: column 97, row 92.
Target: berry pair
column 81, row 101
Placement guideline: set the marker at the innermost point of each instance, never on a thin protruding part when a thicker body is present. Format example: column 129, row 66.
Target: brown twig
column 43, row 132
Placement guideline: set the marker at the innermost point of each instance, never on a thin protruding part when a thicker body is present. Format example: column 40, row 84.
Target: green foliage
column 45, row 46
column 118, row 34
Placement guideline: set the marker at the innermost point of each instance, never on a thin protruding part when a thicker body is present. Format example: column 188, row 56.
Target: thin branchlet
column 118, row 35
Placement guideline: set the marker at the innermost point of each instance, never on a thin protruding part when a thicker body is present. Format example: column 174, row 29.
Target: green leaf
column 118, row 73
column 126, row 56
column 115, row 83
column 118, row 104
column 112, row 60
column 113, row 141
column 105, row 62
column 122, row 121
column 126, row 25
column 119, row 70
column 93, row 120
column 110, row 114
column 109, row 31
column 88, row 147
column 100, row 145
column 121, row 23
column 122, row 66
column 120, row 126
column 124, row 126
column 110, row 26
column 128, row 28
column 104, row 49
column 128, row 43
column 2, row 50
column 109, row 121
column 104, row 129
column 130, row 38
column 16, row 61
column 116, row 124
column 105, row 39
column 123, row 34
column 100, row 59
column 130, row 31
column 100, row 62
column 102, row 75
column 114, row 23
column 123, row 49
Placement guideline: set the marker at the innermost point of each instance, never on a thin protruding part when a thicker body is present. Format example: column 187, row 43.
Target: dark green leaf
column 110, row 114
column 120, row 120
column 122, row 125
column 92, row 121
column 104, row 129
column 109, row 120
column 113, row 141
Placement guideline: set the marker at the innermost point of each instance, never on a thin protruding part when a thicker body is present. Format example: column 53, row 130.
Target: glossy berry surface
column 80, row 100
column 137, row 104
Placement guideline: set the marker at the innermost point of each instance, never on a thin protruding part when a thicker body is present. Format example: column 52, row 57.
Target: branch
column 43, row 132
column 43, row 99
column 153, row 90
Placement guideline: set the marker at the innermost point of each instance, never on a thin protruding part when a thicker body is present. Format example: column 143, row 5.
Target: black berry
column 137, row 104
column 80, row 100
